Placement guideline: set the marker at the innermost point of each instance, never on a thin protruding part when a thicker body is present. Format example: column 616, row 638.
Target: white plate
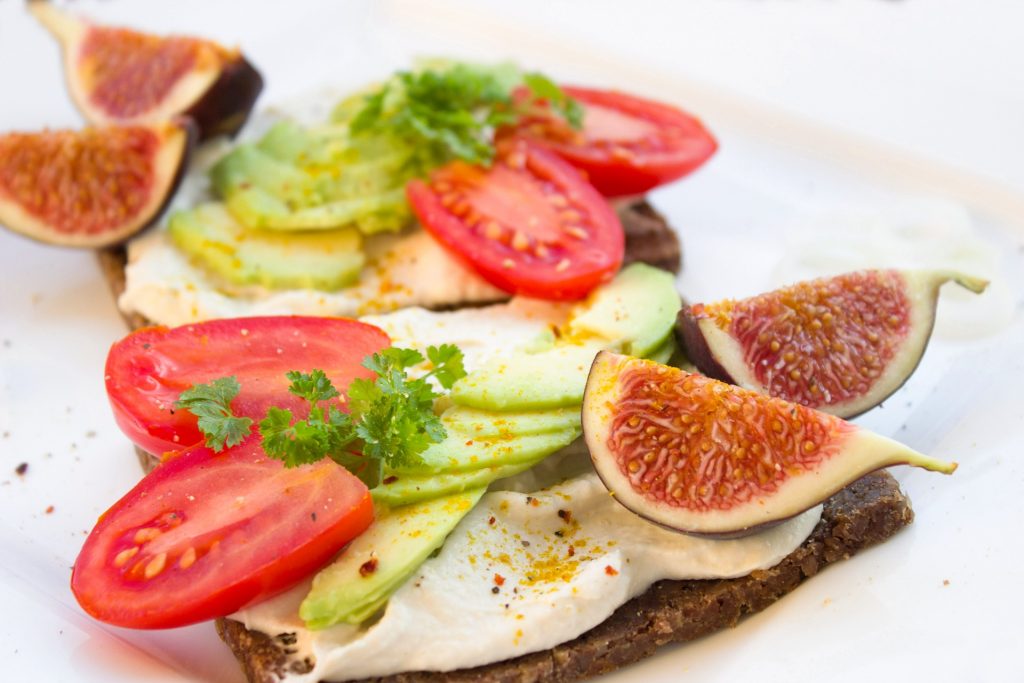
column 938, row 601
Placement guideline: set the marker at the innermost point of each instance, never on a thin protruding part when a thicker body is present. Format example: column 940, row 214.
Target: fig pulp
column 842, row 344
column 705, row 457
column 117, row 75
column 90, row 188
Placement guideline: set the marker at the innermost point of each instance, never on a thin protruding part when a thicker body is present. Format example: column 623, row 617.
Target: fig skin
column 226, row 106
column 718, row 354
column 695, row 434
column 219, row 103
column 177, row 140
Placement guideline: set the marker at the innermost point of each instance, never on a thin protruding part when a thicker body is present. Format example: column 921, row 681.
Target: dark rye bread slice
column 649, row 239
column 863, row 514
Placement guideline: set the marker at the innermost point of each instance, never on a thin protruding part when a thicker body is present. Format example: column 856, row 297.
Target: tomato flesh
column 529, row 225
column 147, row 371
column 207, row 534
column 628, row 145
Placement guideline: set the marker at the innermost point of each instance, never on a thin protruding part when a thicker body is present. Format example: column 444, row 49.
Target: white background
column 939, row 82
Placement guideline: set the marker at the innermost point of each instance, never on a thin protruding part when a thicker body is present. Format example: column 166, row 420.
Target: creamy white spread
column 481, row 333
column 411, row 269
column 556, row 575
column 447, row 616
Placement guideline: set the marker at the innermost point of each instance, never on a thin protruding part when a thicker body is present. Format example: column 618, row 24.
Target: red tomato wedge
column 147, row 371
column 628, row 144
column 529, row 225
column 206, row 534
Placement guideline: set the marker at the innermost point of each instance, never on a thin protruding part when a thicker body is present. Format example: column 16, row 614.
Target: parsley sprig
column 391, row 419
column 211, row 403
column 397, row 420
column 451, row 112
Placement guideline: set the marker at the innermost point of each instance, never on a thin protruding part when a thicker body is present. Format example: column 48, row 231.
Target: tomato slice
column 628, row 144
column 206, row 534
column 147, row 371
column 530, row 224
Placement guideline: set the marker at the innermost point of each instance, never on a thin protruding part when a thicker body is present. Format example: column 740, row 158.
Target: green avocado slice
column 211, row 237
column 634, row 314
column 381, row 559
column 405, row 489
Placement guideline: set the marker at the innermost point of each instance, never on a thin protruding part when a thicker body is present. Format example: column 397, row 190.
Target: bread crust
column 865, row 513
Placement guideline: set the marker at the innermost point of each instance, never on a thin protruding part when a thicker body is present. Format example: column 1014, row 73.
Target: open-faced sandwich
column 507, row 468
column 499, row 545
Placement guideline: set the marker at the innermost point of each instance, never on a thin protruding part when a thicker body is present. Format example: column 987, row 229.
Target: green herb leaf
column 448, row 366
column 392, row 414
column 544, row 88
column 295, row 444
column 211, row 403
column 314, row 387
column 450, row 111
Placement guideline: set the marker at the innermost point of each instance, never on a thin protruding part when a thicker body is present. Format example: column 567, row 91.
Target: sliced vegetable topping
column 204, row 535
column 529, row 224
column 148, row 370
column 627, row 144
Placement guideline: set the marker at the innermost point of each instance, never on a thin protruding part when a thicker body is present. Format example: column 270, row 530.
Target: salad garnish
column 391, row 416
column 451, row 111
column 211, row 403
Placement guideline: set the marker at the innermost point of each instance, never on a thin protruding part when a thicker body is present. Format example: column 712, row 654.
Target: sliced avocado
column 664, row 353
column 247, row 168
column 381, row 559
column 298, row 178
column 326, row 260
column 486, row 424
column 256, row 208
column 405, row 489
column 553, row 378
column 460, row 452
column 635, row 312
column 287, row 141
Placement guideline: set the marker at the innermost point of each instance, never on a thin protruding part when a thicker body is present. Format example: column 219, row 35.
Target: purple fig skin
column 225, row 107
column 118, row 237
column 695, row 346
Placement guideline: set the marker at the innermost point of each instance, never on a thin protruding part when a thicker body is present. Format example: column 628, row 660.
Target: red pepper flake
column 610, row 570
column 21, row 469
column 534, row 502
column 572, row 551
column 566, row 515
column 499, row 579
column 469, row 443
column 491, row 521
column 390, row 480
column 49, row 509
column 368, row 567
